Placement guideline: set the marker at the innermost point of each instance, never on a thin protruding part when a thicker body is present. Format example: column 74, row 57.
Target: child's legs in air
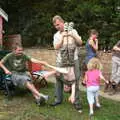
column 49, row 73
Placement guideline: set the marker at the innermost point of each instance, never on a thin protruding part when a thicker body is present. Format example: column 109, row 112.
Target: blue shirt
column 90, row 52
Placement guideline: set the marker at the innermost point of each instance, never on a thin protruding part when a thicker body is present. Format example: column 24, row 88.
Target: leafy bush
column 33, row 19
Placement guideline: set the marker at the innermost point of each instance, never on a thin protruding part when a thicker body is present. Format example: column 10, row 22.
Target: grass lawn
column 22, row 107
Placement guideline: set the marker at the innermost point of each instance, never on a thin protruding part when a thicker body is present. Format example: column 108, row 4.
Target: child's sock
column 98, row 105
column 91, row 112
column 91, row 109
column 46, row 97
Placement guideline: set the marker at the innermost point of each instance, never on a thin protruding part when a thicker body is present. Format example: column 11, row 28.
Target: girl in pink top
column 92, row 81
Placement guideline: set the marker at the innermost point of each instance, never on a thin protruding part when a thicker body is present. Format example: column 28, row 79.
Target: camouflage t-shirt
column 16, row 63
column 57, row 37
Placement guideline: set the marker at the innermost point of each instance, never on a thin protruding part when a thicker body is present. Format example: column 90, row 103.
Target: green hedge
column 33, row 19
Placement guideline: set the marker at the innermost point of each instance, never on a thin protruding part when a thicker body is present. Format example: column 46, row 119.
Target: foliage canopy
column 33, row 19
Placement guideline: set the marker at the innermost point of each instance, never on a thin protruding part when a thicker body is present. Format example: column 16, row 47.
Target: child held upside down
column 68, row 53
column 92, row 81
column 69, row 77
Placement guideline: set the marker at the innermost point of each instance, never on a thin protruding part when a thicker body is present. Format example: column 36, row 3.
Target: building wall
column 49, row 56
column 1, row 29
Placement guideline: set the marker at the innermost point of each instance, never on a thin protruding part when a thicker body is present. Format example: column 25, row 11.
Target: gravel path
column 115, row 97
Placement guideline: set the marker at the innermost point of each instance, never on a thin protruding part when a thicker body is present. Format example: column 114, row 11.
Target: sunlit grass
column 22, row 107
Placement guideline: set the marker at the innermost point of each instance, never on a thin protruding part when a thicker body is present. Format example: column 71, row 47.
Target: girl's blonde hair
column 94, row 63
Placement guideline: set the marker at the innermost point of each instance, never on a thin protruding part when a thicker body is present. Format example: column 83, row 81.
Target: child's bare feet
column 48, row 74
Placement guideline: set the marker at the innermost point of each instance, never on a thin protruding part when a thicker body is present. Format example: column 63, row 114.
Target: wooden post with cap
column 3, row 15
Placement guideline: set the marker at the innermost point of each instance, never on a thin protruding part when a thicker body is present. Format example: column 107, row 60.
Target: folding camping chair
column 38, row 74
column 6, row 85
column 5, row 81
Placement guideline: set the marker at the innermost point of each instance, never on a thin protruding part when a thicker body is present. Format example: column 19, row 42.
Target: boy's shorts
column 19, row 79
